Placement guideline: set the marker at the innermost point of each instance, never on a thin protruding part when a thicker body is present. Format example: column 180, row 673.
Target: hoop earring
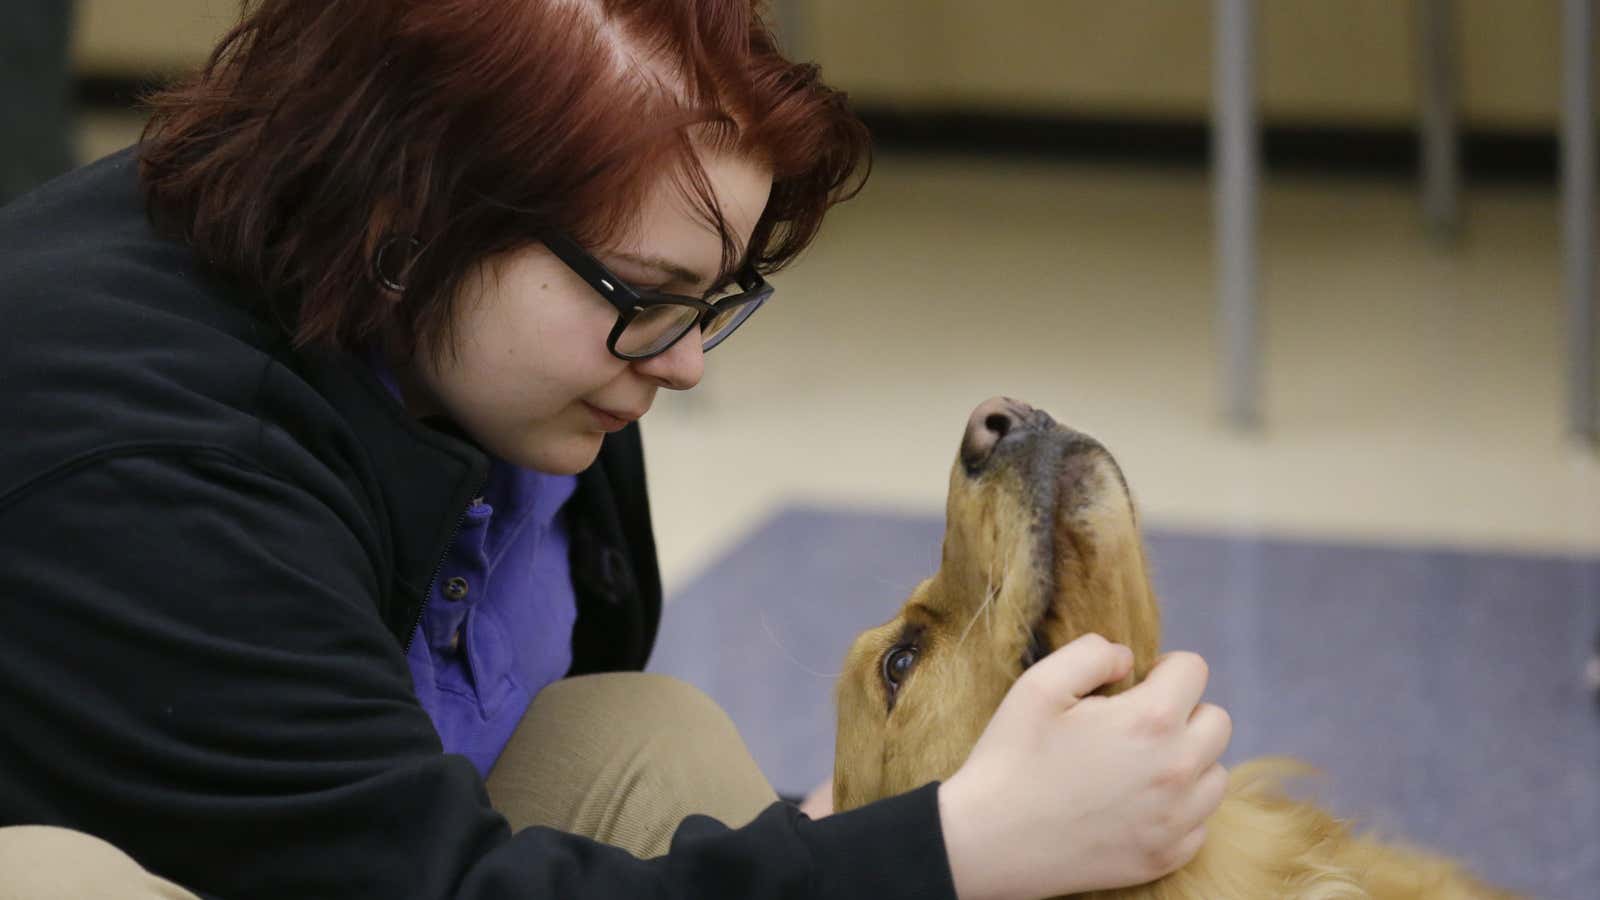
column 381, row 272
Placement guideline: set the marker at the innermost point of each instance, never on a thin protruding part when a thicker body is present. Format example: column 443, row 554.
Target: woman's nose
column 678, row 369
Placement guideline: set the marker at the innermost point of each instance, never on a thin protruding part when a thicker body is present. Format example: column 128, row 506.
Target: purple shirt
column 498, row 622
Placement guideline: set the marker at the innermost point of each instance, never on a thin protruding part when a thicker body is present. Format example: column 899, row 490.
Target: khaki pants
column 621, row 758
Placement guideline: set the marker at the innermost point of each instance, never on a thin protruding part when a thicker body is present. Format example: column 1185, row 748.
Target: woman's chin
column 567, row 454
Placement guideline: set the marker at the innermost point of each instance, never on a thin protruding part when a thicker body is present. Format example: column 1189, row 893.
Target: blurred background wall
column 1065, row 76
column 1326, row 61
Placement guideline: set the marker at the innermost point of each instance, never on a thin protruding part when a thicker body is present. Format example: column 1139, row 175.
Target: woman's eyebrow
column 667, row 266
column 678, row 272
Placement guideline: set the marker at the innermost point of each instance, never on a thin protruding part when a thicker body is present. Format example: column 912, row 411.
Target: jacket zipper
column 427, row 593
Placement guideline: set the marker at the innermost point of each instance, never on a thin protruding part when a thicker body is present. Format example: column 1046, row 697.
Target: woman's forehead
column 673, row 227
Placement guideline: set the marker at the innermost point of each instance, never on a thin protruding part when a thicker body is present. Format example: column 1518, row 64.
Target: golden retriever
column 1042, row 545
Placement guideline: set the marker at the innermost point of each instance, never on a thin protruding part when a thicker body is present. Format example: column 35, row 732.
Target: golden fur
column 1040, row 547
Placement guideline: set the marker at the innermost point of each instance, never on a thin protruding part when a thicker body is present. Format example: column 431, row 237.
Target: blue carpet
column 1440, row 691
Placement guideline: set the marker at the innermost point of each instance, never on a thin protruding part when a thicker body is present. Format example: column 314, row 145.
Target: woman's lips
column 607, row 420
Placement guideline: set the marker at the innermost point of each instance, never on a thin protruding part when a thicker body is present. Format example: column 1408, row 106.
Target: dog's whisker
column 988, row 601
column 1005, row 569
column 767, row 627
column 990, row 592
column 987, row 594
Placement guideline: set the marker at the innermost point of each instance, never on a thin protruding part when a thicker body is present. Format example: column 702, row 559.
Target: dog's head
column 1041, row 546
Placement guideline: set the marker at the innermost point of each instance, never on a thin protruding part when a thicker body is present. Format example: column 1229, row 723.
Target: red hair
column 320, row 126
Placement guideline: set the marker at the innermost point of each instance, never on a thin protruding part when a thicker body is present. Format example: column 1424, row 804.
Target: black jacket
column 213, row 550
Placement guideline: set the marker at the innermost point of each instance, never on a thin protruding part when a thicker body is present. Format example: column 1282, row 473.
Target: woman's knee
column 623, row 757
column 651, row 706
column 642, row 725
column 42, row 862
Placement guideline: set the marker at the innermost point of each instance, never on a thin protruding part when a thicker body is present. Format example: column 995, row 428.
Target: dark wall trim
column 1335, row 148
column 1384, row 152
column 102, row 93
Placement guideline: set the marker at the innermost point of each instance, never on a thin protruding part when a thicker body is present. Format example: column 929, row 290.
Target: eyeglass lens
column 656, row 328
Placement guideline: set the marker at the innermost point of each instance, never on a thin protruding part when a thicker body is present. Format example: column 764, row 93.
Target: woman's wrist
column 972, row 866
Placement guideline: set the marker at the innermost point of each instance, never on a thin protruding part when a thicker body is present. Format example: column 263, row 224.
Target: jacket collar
column 421, row 480
column 422, row 477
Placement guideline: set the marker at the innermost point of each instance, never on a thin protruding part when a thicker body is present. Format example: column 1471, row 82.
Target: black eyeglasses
column 650, row 322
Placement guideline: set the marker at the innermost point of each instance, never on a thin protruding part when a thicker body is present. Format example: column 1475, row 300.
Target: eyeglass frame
column 631, row 301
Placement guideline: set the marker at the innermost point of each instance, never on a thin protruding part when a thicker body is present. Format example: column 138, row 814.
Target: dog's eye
column 897, row 664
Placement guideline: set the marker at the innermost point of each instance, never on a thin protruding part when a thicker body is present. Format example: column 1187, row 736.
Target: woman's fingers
column 1186, row 850
column 1078, row 669
column 1195, row 808
column 1210, row 730
column 1174, row 686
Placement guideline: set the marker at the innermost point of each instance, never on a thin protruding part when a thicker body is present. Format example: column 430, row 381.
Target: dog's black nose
column 988, row 425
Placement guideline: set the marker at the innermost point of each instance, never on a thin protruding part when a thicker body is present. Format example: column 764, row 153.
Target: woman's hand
column 1065, row 792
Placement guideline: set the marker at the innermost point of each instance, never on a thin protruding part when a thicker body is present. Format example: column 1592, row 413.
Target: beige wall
column 1342, row 60
column 142, row 37
column 1321, row 60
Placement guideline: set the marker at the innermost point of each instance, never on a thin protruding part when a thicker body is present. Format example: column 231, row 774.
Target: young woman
column 322, row 507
